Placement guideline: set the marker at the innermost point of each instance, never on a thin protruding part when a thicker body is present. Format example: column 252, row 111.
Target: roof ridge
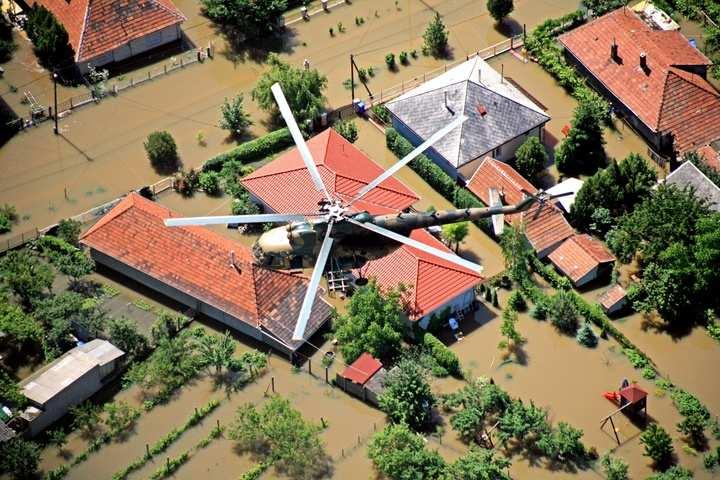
column 710, row 182
column 121, row 207
column 379, row 186
column 505, row 175
column 177, row 12
column 82, row 31
column 511, row 99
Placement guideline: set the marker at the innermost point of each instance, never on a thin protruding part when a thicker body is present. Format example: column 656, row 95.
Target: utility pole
column 352, row 78
column 55, row 110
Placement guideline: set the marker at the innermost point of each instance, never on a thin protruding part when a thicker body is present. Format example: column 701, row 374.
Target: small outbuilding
column 66, row 382
column 364, row 378
column 582, row 259
column 570, row 186
column 614, row 299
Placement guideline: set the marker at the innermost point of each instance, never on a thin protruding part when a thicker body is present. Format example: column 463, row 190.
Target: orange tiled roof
column 96, row 27
column 710, row 156
column 432, row 280
column 196, row 261
column 362, row 369
column 578, row 255
column 543, row 230
column 344, row 170
column 612, row 296
column 668, row 98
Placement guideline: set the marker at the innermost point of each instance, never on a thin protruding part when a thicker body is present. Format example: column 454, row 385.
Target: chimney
column 643, row 61
column 614, row 50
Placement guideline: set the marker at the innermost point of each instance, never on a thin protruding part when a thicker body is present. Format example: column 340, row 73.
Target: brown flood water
column 99, row 154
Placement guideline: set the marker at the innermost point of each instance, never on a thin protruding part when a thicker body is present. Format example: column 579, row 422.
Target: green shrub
column 8, row 216
column 445, row 357
column 253, row 150
column 390, row 61
column 404, row 57
column 162, row 152
column 347, row 129
column 381, row 112
column 517, row 302
column 210, row 182
column 586, row 337
column 170, row 466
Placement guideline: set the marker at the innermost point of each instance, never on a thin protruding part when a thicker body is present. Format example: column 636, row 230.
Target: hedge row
column 445, row 357
column 435, row 176
column 253, row 150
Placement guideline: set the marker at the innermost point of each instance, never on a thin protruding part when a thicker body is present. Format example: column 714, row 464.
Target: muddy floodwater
column 99, row 154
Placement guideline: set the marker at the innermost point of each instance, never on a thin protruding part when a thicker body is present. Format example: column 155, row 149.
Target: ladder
column 338, row 279
column 35, row 106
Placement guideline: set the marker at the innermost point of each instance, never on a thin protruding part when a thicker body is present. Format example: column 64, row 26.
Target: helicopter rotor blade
column 498, row 220
column 299, row 140
column 450, row 257
column 409, row 157
column 220, row 219
column 312, row 288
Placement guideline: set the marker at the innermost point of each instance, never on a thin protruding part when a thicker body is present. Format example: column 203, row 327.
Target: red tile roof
column 196, row 261
column 710, row 156
column 96, row 27
column 362, row 369
column 667, row 99
column 432, row 281
column 633, row 393
column 578, row 255
column 543, row 230
column 344, row 170
column 612, row 296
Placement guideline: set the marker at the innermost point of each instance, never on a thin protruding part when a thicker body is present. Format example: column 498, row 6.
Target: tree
column 582, row 151
column 20, row 458
column 162, row 152
column 657, row 443
column 585, row 336
column 303, row 90
column 517, row 252
column 249, row 18
column 26, row 275
column 10, row 390
column 561, row 443
column 234, row 117
column 601, row 7
column 407, row 397
column 86, row 418
column 455, row 233
column 210, row 183
column 520, row 422
column 50, row 39
column 673, row 473
column 58, row 437
column 479, row 399
column 435, row 38
column 513, row 339
column 400, row 454
column 499, row 9
column 347, row 129
column 7, row 43
column 563, row 312
column 530, row 157
column 69, row 230
column 120, row 417
column 372, row 323
column 8, row 214
column 479, row 464
column 280, row 436
column 614, row 468
column 124, row 335
column 216, row 350
column 18, row 327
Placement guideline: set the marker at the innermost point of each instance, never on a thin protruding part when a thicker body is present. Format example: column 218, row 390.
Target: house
column 499, row 117
column 66, row 382
column 203, row 271
column 107, row 31
column 653, row 77
column 364, row 378
column 545, row 225
column 570, row 186
column 284, row 186
column 613, row 300
column 434, row 284
column 582, row 259
column 688, row 175
column 710, row 156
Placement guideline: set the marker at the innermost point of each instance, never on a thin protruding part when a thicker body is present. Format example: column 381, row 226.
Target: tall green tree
column 530, row 158
column 251, row 18
column 499, row 9
column 582, row 151
column 407, row 397
column 435, row 38
column 614, row 468
column 162, row 152
column 455, row 233
column 303, row 89
column 563, row 312
column 398, row 453
column 657, row 443
column 26, row 275
column 280, row 436
column 217, row 350
column 234, row 119
column 125, row 335
column 49, row 37
column 601, row 7
column 20, row 458
column 372, row 323
column 517, row 252
column 673, row 473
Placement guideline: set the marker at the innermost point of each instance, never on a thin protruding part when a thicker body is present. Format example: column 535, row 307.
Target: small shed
column 582, row 259
column 635, row 397
column 614, row 299
column 364, row 378
column 569, row 186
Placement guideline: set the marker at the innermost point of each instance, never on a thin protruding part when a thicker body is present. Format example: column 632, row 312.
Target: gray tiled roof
column 428, row 112
column 688, row 175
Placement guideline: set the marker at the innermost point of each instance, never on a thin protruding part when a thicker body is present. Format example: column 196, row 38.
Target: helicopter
column 353, row 237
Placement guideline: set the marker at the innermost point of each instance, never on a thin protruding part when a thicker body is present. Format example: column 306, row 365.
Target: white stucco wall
column 460, row 302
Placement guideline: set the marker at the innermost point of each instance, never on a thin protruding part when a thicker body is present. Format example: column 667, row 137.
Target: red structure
column 362, row 369
column 631, row 399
